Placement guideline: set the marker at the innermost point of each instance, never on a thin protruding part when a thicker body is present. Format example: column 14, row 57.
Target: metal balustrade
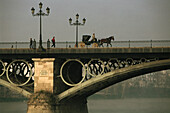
column 145, row 43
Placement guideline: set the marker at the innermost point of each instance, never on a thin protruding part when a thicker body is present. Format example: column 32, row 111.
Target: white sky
column 125, row 19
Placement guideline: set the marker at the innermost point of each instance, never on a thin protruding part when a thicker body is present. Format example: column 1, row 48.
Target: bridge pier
column 48, row 84
column 41, row 102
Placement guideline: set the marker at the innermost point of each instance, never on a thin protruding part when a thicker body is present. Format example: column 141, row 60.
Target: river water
column 147, row 105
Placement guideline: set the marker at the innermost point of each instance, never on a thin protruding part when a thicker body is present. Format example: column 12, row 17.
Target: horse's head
column 112, row 38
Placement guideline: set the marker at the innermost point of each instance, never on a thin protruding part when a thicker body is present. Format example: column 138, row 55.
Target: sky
column 124, row 19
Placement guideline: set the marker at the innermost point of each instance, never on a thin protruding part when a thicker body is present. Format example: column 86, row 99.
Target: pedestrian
column 48, row 43
column 31, row 46
column 53, row 42
column 34, row 44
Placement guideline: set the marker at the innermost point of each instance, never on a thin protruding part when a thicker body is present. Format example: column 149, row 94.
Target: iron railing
column 145, row 43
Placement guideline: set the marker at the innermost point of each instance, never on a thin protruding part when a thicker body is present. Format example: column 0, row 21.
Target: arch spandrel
column 98, row 83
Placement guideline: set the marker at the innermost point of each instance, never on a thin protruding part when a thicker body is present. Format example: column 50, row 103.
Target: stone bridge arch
column 98, row 83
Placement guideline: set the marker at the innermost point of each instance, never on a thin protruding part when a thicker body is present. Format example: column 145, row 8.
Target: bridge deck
column 163, row 52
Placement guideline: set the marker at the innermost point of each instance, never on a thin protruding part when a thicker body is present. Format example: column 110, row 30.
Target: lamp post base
column 41, row 49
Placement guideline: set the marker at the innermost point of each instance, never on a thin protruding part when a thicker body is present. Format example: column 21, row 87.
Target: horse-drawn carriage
column 86, row 41
column 95, row 43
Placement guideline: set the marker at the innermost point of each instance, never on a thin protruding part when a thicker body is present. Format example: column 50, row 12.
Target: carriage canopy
column 85, row 38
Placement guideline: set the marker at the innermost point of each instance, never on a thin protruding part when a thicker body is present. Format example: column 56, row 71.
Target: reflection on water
column 13, row 107
column 148, row 105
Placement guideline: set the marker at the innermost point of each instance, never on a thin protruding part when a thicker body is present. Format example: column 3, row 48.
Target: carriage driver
column 93, row 38
column 94, row 41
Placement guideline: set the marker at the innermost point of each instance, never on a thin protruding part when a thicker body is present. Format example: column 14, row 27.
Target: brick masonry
column 44, row 74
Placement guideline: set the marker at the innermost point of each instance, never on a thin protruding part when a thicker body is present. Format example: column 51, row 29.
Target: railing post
column 129, row 43
column 151, row 43
column 66, row 44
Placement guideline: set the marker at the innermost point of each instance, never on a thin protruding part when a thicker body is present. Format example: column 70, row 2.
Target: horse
column 106, row 40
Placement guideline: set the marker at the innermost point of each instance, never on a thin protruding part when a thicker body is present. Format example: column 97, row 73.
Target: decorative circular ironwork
column 129, row 62
column 73, row 71
column 95, row 67
column 31, row 81
column 143, row 60
column 2, row 68
column 72, row 83
column 113, row 64
column 19, row 72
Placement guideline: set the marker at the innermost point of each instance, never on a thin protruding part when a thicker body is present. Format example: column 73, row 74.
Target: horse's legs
column 102, row 45
column 110, row 44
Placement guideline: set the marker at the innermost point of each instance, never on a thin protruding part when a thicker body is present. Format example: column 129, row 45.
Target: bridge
column 61, row 79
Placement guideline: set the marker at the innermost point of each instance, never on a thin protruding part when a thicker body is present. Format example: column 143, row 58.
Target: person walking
column 34, row 44
column 53, row 42
column 31, row 46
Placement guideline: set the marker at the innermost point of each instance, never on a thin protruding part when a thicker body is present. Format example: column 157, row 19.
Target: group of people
column 32, row 45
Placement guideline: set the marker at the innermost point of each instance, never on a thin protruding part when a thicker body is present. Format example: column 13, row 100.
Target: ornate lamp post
column 77, row 23
column 40, row 13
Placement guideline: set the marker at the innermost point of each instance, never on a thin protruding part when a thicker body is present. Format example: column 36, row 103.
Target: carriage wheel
column 95, row 45
column 81, row 44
